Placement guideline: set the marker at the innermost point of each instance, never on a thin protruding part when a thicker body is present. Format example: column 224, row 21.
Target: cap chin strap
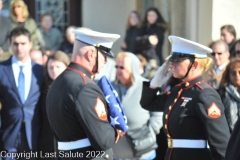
column 193, row 59
column 96, row 62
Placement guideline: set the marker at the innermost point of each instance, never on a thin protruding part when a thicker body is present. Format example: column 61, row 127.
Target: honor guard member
column 76, row 107
column 194, row 120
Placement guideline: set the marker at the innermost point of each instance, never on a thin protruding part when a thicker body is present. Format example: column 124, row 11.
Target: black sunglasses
column 234, row 73
column 120, row 67
column 237, row 52
column 213, row 53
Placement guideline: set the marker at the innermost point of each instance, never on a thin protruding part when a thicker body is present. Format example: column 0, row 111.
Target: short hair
column 19, row 31
column 220, row 42
column 230, row 28
column 47, row 14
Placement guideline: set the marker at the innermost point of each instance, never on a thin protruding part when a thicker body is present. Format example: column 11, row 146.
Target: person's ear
column 195, row 64
column 90, row 54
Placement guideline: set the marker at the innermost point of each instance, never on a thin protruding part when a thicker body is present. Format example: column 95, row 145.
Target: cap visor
column 109, row 54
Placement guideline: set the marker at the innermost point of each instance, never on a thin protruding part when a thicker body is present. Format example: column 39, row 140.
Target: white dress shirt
column 27, row 71
column 220, row 68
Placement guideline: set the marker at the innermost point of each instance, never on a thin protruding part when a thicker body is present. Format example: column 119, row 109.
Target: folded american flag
column 117, row 116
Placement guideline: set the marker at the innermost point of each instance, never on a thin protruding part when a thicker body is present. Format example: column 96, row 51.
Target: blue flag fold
column 116, row 112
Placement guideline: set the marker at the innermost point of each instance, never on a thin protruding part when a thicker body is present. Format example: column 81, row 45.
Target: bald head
column 36, row 56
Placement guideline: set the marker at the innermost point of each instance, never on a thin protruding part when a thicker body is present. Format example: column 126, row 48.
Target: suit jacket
column 14, row 113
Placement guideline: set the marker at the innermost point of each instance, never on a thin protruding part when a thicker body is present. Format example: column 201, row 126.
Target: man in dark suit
column 20, row 84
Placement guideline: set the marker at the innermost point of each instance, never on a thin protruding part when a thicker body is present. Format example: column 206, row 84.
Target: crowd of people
column 49, row 100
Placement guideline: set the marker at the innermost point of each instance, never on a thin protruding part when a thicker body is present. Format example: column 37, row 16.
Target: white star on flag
column 117, row 106
column 107, row 98
column 115, row 92
column 114, row 121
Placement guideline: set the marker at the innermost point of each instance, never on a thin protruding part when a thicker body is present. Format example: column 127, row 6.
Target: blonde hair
column 124, row 55
column 21, row 3
column 205, row 63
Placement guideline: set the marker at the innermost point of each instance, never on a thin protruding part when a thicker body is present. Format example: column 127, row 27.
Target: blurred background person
column 133, row 25
column 6, row 28
column 56, row 64
column 151, row 38
column 237, row 48
column 51, row 35
column 46, row 52
column 229, row 91
column 20, row 17
column 37, row 56
column 220, row 56
column 67, row 44
column 128, row 85
column 108, row 70
column 229, row 35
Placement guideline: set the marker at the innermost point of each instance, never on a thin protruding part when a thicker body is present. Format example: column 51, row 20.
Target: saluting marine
column 76, row 106
column 194, row 120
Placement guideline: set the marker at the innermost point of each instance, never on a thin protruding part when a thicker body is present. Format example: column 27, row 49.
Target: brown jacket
column 213, row 78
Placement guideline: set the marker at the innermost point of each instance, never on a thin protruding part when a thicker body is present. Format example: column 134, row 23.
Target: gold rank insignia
column 185, row 101
column 100, row 109
column 214, row 111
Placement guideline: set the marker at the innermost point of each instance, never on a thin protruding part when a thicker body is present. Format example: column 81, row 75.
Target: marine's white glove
column 161, row 76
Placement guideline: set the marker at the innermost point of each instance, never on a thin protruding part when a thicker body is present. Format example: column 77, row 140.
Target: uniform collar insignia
column 82, row 69
column 189, row 83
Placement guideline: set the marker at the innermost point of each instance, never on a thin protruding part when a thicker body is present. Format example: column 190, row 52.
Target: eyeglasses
column 213, row 53
column 237, row 52
column 120, row 67
column 234, row 73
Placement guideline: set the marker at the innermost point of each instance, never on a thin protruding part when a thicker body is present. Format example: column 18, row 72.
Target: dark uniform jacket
column 76, row 109
column 233, row 147
column 192, row 111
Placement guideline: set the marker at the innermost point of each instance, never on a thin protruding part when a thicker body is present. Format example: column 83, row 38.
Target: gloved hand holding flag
column 117, row 116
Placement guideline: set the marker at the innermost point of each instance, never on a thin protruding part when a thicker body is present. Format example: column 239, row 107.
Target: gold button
column 84, row 74
column 92, row 76
column 107, row 155
column 165, row 126
column 168, row 135
column 187, row 84
column 175, row 100
column 166, row 116
column 199, row 82
column 170, row 107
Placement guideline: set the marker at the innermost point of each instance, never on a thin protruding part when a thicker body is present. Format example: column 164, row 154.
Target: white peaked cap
column 97, row 39
column 184, row 46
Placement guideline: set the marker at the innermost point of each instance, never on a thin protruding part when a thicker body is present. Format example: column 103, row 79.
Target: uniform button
column 165, row 126
column 84, row 74
column 168, row 135
column 170, row 107
column 175, row 100
column 187, row 84
column 166, row 116
column 107, row 156
column 199, row 82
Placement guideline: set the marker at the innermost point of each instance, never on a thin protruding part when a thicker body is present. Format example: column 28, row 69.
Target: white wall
column 107, row 16
column 225, row 12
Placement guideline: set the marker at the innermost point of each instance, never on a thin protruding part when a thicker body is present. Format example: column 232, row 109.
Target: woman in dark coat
column 151, row 38
column 133, row 26
column 56, row 64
